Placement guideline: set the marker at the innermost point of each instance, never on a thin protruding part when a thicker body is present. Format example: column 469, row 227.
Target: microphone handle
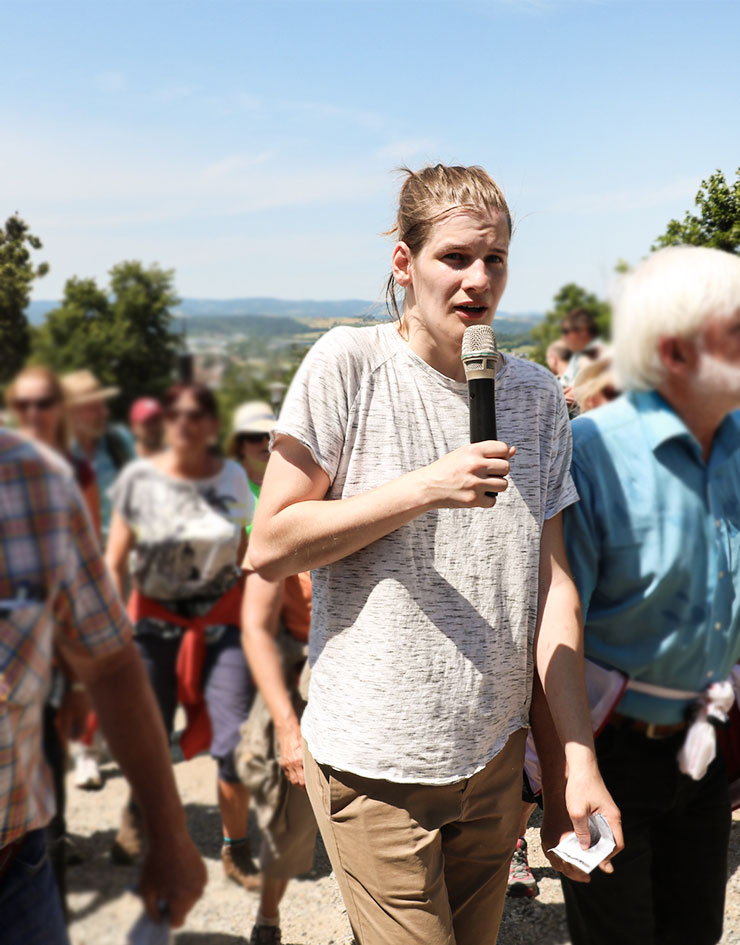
column 482, row 397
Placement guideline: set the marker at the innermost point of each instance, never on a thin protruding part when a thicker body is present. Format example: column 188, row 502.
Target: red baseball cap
column 144, row 409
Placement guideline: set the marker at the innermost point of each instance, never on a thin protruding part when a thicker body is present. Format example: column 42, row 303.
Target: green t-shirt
column 255, row 490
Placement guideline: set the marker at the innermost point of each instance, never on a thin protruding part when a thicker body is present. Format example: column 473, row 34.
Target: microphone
column 479, row 356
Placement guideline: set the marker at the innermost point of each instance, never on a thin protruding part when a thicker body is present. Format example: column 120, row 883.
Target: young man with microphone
column 425, row 596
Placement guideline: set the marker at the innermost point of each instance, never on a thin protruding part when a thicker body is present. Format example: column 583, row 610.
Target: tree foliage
column 717, row 222
column 570, row 296
column 17, row 273
column 123, row 335
column 242, row 383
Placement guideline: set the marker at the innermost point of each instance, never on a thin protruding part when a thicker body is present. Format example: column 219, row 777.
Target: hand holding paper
column 602, row 844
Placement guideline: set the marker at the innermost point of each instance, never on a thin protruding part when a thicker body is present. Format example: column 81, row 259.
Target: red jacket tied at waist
column 191, row 657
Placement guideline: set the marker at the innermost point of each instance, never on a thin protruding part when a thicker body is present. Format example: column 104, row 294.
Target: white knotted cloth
column 699, row 748
column 700, row 745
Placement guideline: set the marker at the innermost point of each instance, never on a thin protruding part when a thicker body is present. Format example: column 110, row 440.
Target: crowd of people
column 364, row 615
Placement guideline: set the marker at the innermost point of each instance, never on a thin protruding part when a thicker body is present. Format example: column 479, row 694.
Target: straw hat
column 82, row 387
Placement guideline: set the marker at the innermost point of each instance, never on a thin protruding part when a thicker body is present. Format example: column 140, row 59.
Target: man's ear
column 678, row 355
column 401, row 264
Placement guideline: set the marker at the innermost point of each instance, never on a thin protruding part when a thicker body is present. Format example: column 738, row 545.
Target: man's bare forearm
column 260, row 619
column 559, row 660
column 129, row 716
column 547, row 742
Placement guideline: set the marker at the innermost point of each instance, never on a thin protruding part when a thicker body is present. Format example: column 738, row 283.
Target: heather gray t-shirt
column 187, row 531
column 421, row 643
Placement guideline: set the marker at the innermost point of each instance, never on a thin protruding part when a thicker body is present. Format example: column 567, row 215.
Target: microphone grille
column 478, row 340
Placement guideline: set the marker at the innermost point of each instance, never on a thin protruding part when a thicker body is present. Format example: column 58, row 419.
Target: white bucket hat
column 255, row 416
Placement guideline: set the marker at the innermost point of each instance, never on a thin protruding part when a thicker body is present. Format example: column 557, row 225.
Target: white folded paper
column 602, row 844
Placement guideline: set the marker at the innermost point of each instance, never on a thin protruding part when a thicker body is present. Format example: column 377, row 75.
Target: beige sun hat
column 82, row 387
column 255, row 416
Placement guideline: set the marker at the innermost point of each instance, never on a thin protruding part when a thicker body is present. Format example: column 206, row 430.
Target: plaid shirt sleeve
column 53, row 582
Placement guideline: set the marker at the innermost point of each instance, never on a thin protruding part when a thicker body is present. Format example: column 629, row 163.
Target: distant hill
column 511, row 330
column 253, row 326
column 281, row 308
column 296, row 308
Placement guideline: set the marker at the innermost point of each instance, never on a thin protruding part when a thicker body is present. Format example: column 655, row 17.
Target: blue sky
column 250, row 145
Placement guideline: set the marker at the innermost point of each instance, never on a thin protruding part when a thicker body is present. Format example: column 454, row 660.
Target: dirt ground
column 103, row 908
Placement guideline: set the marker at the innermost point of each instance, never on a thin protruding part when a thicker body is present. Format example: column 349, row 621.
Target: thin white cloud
column 70, row 187
column 70, row 180
column 405, row 149
column 354, row 116
column 111, row 81
column 235, row 164
column 532, row 8
column 246, row 101
column 629, row 199
column 173, row 93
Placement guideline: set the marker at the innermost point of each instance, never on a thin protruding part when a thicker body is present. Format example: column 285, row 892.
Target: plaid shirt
column 53, row 582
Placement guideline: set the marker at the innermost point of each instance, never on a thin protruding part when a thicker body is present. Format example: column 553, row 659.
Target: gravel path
column 102, row 909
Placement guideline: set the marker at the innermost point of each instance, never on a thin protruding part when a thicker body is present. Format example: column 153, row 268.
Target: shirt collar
column 662, row 423
column 729, row 433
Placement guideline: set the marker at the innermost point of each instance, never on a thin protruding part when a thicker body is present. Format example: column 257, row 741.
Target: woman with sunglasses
column 35, row 398
column 249, row 445
column 179, row 525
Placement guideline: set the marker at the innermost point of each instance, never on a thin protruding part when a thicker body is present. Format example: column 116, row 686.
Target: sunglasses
column 567, row 331
column 22, row 404
column 190, row 416
column 253, row 437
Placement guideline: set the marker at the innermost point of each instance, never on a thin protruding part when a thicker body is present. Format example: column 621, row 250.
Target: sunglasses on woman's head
column 21, row 404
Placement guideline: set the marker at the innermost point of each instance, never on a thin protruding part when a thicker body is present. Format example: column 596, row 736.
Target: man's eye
column 454, row 257
column 495, row 258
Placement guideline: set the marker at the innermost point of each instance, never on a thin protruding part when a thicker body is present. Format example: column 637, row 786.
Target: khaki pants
column 421, row 864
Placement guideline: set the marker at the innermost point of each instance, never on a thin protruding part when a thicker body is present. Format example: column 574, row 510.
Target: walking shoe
column 522, row 883
column 265, row 935
column 237, row 862
column 130, row 837
column 87, row 773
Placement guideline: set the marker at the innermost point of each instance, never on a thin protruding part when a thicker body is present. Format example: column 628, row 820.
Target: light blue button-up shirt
column 654, row 545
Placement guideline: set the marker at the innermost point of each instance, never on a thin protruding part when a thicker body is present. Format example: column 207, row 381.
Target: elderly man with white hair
column 654, row 545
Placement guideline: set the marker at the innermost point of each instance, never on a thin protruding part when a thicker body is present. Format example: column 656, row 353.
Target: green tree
column 717, row 223
column 122, row 335
column 237, row 386
column 241, row 383
column 570, row 296
column 17, row 273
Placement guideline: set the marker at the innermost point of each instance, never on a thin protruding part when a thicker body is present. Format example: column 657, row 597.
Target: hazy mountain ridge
column 306, row 330
column 273, row 307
